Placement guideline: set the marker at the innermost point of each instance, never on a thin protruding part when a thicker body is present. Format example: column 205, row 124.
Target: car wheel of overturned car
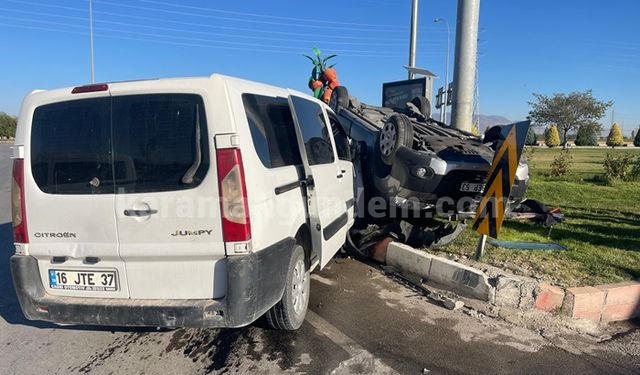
column 423, row 104
column 289, row 313
column 396, row 132
column 339, row 98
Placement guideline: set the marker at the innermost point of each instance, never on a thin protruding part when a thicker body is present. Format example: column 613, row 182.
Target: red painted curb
column 601, row 303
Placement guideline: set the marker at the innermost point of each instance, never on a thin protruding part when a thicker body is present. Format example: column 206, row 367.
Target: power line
column 198, row 32
column 376, row 26
column 268, row 16
column 295, row 51
column 212, row 26
column 194, row 39
column 243, row 19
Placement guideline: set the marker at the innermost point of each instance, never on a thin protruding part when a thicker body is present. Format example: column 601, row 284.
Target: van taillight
column 233, row 196
column 18, row 213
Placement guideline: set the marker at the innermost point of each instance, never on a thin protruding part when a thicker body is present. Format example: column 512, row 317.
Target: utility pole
column 477, row 102
column 464, row 71
column 93, row 80
column 443, row 109
column 413, row 36
column 613, row 115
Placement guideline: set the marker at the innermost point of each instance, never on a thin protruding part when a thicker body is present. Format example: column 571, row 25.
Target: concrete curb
column 454, row 276
column 599, row 304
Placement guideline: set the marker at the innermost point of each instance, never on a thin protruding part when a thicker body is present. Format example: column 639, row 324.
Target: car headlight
column 423, row 172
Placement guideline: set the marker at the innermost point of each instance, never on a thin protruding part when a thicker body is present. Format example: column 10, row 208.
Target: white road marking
column 360, row 357
column 323, row 280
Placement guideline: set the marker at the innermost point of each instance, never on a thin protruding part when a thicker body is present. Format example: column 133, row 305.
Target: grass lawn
column 601, row 230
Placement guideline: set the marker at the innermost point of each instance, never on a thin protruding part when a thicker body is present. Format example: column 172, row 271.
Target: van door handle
column 139, row 213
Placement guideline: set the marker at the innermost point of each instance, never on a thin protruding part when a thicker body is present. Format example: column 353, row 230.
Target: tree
column 587, row 136
column 568, row 111
column 531, row 139
column 551, row 137
column 636, row 139
column 546, row 130
column 615, row 137
column 7, row 125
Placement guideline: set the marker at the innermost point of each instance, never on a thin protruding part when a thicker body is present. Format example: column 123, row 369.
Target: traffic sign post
column 500, row 179
column 444, row 100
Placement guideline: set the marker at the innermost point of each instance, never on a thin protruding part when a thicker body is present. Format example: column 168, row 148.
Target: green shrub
column 531, row 139
column 7, row 125
column 527, row 154
column 587, row 136
column 616, row 167
column 561, row 164
column 615, row 137
column 635, row 170
column 552, row 137
column 636, row 140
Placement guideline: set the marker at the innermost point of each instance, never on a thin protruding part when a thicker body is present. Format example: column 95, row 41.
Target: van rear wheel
column 289, row 313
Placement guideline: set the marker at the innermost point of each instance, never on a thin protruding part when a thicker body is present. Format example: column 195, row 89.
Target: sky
column 540, row 46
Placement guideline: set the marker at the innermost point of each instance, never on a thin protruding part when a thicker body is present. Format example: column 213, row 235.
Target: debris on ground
column 452, row 304
column 531, row 209
column 372, row 240
column 524, row 245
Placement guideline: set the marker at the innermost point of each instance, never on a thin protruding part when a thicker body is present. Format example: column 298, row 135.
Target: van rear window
column 70, row 147
column 122, row 144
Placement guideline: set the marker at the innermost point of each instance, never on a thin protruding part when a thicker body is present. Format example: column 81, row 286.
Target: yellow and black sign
column 502, row 174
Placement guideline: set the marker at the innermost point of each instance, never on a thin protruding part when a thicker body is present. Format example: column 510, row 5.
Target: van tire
column 289, row 313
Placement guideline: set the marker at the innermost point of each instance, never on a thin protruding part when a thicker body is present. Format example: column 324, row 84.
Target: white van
column 198, row 202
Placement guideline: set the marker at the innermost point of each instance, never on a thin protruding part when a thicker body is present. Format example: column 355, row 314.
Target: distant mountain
column 486, row 121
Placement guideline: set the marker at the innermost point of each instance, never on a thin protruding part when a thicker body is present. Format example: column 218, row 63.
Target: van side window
column 272, row 130
column 340, row 137
column 314, row 131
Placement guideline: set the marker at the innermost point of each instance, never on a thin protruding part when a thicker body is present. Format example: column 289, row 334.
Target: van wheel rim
column 299, row 291
column 388, row 138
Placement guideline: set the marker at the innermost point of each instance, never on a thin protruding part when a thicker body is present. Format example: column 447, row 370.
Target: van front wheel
column 288, row 314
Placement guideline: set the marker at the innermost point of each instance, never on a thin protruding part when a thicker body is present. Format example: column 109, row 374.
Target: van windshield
column 121, row 144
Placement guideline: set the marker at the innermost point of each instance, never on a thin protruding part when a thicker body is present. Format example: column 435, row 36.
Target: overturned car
column 416, row 162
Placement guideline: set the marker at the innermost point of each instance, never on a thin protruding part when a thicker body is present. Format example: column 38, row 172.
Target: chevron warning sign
column 502, row 174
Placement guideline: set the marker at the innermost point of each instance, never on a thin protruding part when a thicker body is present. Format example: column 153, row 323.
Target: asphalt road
column 360, row 321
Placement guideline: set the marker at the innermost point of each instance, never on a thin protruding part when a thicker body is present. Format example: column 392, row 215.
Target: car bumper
column 444, row 181
column 255, row 283
column 518, row 190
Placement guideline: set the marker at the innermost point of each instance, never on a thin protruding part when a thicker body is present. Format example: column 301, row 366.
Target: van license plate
column 91, row 281
column 471, row 188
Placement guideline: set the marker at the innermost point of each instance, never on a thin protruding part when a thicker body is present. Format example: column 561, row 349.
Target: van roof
column 143, row 82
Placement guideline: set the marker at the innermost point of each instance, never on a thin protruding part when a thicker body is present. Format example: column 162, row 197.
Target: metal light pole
column 464, row 70
column 93, row 80
column 413, row 36
column 443, row 109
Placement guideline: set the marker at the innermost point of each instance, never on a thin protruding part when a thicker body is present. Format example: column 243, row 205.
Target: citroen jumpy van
column 200, row 202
